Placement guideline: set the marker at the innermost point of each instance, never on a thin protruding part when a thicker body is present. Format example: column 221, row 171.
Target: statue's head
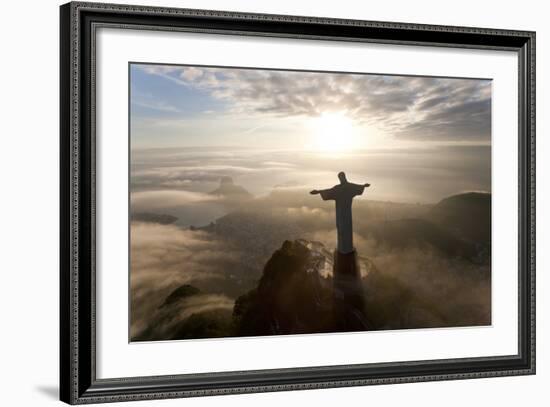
column 342, row 177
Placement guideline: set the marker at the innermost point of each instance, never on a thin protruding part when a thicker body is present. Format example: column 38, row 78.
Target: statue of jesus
column 343, row 195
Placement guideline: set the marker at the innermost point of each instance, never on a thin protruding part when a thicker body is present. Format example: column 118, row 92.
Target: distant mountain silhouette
column 420, row 233
column 179, row 293
column 467, row 216
column 228, row 189
column 149, row 217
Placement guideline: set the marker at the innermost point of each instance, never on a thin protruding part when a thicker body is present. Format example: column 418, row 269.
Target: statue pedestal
column 348, row 294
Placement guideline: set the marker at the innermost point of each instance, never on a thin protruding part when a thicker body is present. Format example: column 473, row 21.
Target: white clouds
column 165, row 199
column 147, row 100
column 405, row 175
column 159, row 69
column 191, row 73
column 157, row 105
column 164, row 257
column 209, row 169
column 405, row 107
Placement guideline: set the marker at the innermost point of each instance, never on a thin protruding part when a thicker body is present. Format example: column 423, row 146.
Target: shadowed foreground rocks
column 302, row 290
column 306, row 289
column 348, row 295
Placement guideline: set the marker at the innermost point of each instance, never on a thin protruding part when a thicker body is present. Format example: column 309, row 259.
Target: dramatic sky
column 278, row 135
column 414, row 138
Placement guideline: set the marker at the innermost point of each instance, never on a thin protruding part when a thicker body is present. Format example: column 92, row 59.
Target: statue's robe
column 343, row 195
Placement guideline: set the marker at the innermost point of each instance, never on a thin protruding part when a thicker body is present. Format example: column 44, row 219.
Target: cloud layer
column 185, row 176
column 163, row 257
column 419, row 108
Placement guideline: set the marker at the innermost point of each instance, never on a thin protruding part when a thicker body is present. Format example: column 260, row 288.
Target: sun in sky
column 333, row 132
column 332, row 113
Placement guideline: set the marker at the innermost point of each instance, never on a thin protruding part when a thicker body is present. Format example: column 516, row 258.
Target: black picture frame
column 78, row 382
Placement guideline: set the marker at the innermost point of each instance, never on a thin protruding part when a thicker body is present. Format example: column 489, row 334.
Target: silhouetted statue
column 343, row 195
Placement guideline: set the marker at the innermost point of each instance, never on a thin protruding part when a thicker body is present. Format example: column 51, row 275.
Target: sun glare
column 333, row 132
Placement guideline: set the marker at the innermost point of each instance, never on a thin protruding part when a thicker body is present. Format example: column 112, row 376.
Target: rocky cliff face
column 306, row 289
column 302, row 290
column 229, row 190
column 466, row 215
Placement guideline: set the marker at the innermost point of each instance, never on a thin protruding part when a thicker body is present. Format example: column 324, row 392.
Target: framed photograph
column 255, row 203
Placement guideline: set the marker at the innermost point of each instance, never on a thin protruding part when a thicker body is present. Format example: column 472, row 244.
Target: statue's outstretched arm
column 319, row 191
column 358, row 189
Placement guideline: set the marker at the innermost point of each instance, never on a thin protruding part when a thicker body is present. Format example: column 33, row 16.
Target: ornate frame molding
column 79, row 21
